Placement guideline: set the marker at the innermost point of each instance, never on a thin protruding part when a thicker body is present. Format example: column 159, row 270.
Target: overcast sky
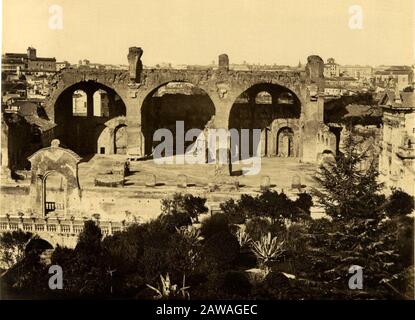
column 197, row 31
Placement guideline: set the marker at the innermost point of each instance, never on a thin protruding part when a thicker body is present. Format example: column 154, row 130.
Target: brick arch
column 240, row 89
column 264, row 87
column 49, row 240
column 293, row 125
column 70, row 78
column 116, row 122
column 148, row 89
column 84, row 86
column 55, row 159
column 147, row 126
column 290, row 82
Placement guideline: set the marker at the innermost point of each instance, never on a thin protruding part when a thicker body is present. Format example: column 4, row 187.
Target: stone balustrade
column 54, row 225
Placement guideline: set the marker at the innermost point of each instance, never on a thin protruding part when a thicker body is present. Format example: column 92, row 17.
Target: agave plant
column 167, row 290
column 267, row 249
column 192, row 238
column 243, row 237
column 190, row 233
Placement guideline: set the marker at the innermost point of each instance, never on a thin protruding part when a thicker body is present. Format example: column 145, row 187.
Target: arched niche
column 49, row 162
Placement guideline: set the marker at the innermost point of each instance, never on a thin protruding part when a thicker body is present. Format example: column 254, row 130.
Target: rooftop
column 405, row 100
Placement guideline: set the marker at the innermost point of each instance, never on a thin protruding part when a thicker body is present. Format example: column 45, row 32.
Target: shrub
column 233, row 211
column 175, row 220
column 304, row 203
column 256, row 227
column 220, row 251
column 276, row 280
column 63, row 256
column 245, row 260
column 187, row 204
column 217, row 223
column 267, row 249
column 89, row 249
column 123, row 250
column 248, row 205
column 275, row 205
column 183, row 255
column 12, row 247
column 167, row 290
column 399, row 203
column 236, row 283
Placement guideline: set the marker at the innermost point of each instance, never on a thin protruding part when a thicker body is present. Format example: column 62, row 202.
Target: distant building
column 341, row 86
column 37, row 86
column 86, row 64
column 13, row 63
column 331, row 68
column 62, row 65
column 356, row 71
column 335, row 91
column 13, row 90
column 398, row 151
column 401, row 76
column 29, row 62
column 26, row 132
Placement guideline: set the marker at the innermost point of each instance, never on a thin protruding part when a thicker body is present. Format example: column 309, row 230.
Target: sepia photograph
column 192, row 150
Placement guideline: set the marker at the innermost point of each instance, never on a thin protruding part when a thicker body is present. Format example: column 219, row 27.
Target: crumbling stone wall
column 222, row 85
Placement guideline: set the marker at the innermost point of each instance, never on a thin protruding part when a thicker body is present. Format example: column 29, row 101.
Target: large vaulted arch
column 267, row 107
column 171, row 102
column 81, row 112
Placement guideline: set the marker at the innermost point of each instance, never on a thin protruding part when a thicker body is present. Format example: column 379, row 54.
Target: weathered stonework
column 135, row 64
column 54, row 159
column 223, row 87
column 224, row 62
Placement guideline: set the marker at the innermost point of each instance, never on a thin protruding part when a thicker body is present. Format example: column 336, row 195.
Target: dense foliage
column 264, row 246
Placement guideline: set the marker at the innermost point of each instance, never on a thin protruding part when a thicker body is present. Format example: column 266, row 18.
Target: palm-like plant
column 243, row 237
column 190, row 233
column 267, row 249
column 167, row 290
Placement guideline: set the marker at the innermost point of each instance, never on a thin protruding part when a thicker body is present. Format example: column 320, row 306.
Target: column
column 8, row 222
column 109, row 228
column 71, row 226
column 135, row 139
column 90, row 103
column 20, row 223
column 312, row 120
column 111, row 110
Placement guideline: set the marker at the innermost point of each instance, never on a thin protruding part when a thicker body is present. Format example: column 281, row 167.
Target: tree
column 358, row 233
column 187, row 205
column 88, row 270
column 12, row 247
column 89, row 242
column 272, row 204
column 346, row 190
